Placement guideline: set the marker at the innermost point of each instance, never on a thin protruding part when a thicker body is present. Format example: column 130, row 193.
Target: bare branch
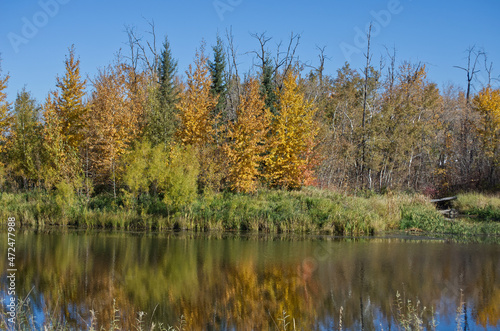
column 133, row 43
column 233, row 65
column 153, row 49
column 287, row 61
column 391, row 71
column 460, row 68
column 471, row 68
column 488, row 68
column 263, row 40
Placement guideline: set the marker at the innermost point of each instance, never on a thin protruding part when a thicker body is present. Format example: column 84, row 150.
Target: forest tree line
column 138, row 127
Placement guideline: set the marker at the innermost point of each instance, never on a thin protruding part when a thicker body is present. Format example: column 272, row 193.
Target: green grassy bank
column 307, row 211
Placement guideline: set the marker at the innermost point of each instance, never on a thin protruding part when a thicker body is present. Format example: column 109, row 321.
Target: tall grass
column 484, row 207
column 411, row 315
column 310, row 210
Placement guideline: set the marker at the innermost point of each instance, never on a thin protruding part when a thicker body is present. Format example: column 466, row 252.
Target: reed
column 310, row 210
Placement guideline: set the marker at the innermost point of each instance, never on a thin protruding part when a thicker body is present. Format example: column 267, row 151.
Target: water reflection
column 246, row 282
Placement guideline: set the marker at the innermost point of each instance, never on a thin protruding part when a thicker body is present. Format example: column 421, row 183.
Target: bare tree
column 262, row 53
column 473, row 57
column 146, row 52
column 283, row 59
column 289, row 57
column 391, row 69
column 233, row 91
column 488, row 67
column 467, row 140
column 321, row 66
column 133, row 42
column 320, row 89
column 365, row 98
column 320, row 69
column 153, row 62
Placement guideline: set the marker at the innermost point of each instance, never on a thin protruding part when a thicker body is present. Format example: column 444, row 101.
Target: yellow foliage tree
column 61, row 159
column 246, row 138
column 4, row 121
column 196, row 105
column 114, row 119
column 292, row 139
column 487, row 103
column 69, row 104
column 4, row 111
column 197, row 122
column 64, row 130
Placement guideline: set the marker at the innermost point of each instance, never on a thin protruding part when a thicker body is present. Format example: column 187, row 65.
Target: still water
column 255, row 282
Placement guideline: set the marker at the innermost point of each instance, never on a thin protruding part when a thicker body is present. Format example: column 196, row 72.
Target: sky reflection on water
column 247, row 281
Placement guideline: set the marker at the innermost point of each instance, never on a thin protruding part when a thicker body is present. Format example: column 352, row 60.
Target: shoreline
column 309, row 211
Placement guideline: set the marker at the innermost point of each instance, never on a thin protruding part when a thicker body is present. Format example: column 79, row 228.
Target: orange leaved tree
column 245, row 146
column 197, row 122
column 114, row 120
column 196, row 105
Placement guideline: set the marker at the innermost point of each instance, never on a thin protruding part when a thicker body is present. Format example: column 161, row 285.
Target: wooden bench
column 445, row 206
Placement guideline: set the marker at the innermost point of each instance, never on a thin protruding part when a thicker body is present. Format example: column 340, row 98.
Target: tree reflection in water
column 246, row 282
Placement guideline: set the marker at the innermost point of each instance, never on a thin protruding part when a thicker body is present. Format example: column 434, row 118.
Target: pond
column 255, row 282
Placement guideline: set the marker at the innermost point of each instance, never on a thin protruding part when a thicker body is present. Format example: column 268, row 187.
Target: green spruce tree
column 162, row 121
column 218, row 73
column 268, row 87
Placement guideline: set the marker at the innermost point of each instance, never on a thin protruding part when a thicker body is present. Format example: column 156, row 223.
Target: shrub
column 179, row 184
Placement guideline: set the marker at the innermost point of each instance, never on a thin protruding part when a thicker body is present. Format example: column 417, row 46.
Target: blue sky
column 434, row 32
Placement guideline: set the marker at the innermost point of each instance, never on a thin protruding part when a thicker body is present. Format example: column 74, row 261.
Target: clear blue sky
column 434, row 32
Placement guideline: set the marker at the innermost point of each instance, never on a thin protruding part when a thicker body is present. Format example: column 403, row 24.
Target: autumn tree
column 487, row 104
column 65, row 114
column 196, row 105
column 339, row 134
column 198, row 123
column 4, row 111
column 114, row 119
column 69, row 103
column 246, row 138
column 404, row 128
column 61, row 160
column 162, row 120
column 24, row 144
column 4, row 121
column 446, row 133
column 292, row 137
column 468, row 142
